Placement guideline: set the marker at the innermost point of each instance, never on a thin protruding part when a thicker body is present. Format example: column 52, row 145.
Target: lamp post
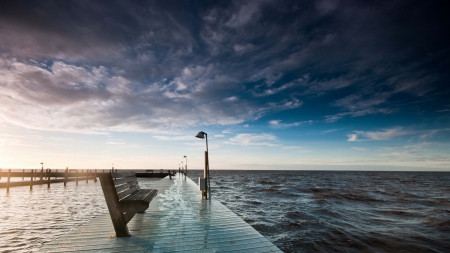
column 185, row 166
column 207, row 188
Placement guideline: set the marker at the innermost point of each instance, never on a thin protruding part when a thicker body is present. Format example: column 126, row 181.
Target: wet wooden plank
column 177, row 220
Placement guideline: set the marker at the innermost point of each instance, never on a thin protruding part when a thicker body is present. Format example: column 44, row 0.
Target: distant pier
column 49, row 176
column 177, row 220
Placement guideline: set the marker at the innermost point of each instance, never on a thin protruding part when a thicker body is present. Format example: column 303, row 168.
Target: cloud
column 124, row 66
column 386, row 134
column 245, row 14
column 352, row 137
column 174, row 138
column 278, row 124
column 253, row 140
column 392, row 133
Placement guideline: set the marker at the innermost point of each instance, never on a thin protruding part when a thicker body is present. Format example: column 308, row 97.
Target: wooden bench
column 124, row 198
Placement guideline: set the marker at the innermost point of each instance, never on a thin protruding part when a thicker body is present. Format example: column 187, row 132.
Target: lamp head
column 201, row 135
column 184, row 156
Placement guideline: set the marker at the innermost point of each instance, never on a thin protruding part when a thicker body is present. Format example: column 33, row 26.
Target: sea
column 298, row 211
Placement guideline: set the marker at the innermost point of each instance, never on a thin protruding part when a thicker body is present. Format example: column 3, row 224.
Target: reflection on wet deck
column 178, row 220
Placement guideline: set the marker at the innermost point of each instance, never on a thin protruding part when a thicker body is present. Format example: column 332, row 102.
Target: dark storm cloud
column 144, row 65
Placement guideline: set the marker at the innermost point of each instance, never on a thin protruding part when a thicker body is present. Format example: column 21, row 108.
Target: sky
column 275, row 84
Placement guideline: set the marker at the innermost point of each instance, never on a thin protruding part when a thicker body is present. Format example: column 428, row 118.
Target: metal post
column 7, row 184
column 31, row 180
column 42, row 171
column 48, row 178
column 185, row 167
column 205, row 176
column 65, row 175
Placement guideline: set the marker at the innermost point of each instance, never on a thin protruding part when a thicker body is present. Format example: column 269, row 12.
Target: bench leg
column 112, row 201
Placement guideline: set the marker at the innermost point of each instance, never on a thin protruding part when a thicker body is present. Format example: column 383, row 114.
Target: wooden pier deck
column 177, row 220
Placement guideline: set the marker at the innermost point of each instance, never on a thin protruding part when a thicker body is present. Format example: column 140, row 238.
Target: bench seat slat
column 126, row 186
column 127, row 192
column 144, row 194
column 124, row 180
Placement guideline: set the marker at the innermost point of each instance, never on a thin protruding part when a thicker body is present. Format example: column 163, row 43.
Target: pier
column 177, row 220
column 48, row 176
column 38, row 177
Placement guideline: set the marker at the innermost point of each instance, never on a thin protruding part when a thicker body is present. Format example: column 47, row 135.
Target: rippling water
column 299, row 211
column 30, row 219
column 318, row 211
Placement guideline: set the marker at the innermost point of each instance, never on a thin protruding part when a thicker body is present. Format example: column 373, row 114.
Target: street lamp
column 185, row 172
column 207, row 188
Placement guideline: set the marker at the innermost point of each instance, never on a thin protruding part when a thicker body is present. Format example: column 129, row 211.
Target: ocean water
column 323, row 211
column 299, row 211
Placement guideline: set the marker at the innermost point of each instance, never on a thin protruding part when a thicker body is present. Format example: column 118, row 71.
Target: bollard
column 48, row 178
column 31, row 180
column 7, row 184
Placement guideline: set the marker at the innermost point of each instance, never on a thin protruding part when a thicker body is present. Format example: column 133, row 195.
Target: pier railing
column 38, row 177
column 49, row 176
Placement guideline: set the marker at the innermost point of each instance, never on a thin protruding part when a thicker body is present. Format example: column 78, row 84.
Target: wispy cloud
column 173, row 138
column 386, row 134
column 253, row 140
column 392, row 133
column 279, row 124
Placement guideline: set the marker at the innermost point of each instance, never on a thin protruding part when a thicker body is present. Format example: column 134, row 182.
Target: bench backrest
column 125, row 183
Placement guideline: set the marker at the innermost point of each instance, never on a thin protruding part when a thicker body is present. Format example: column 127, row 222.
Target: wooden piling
column 87, row 176
column 95, row 175
column 48, row 178
column 65, row 176
column 56, row 176
column 31, row 180
column 7, row 183
column 76, row 173
column 23, row 171
column 42, row 173
column 0, row 174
